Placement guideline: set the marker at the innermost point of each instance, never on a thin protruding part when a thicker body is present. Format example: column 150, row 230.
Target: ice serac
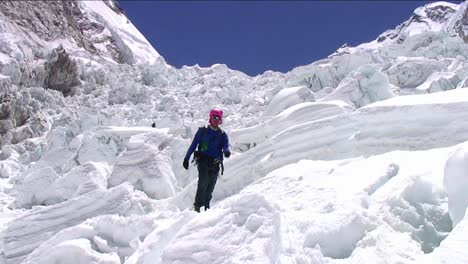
column 27, row 232
column 146, row 168
column 365, row 85
column 456, row 183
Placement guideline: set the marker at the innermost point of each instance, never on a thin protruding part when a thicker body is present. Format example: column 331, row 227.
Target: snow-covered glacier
column 360, row 157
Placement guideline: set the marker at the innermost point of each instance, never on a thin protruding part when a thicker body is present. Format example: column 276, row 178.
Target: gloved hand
column 227, row 154
column 185, row 164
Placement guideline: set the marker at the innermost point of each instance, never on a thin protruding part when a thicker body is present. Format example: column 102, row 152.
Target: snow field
column 329, row 164
column 400, row 198
column 393, row 204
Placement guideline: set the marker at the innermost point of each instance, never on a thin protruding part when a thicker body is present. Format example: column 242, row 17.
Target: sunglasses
column 216, row 117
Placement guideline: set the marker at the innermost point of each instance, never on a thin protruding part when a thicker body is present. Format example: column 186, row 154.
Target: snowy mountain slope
column 436, row 16
column 133, row 46
column 356, row 158
column 84, row 28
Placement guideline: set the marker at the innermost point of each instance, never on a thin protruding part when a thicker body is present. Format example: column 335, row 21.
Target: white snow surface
column 357, row 158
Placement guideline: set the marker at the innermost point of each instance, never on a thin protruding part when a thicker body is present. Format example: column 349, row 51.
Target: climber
column 212, row 142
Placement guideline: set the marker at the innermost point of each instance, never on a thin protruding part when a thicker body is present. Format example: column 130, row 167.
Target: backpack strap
column 205, row 130
column 221, row 141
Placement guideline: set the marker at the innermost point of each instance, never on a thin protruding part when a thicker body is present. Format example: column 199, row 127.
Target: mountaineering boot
column 197, row 209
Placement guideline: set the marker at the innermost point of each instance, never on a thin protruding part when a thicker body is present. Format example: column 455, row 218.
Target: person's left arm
column 226, row 149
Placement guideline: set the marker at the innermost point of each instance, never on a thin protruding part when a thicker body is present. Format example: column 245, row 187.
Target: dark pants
column 208, row 172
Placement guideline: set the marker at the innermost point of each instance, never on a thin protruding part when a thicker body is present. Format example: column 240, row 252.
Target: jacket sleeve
column 194, row 145
column 226, row 143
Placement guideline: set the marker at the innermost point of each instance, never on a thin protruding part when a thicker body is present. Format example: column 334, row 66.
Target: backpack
column 221, row 145
column 223, row 135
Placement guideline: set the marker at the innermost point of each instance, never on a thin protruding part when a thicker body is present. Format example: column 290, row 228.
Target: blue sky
column 257, row 36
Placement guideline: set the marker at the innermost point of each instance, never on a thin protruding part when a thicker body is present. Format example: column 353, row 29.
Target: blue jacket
column 213, row 143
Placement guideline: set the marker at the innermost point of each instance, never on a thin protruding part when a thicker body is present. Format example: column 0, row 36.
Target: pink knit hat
column 218, row 113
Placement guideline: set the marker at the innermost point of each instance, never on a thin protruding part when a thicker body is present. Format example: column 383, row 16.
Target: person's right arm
column 193, row 146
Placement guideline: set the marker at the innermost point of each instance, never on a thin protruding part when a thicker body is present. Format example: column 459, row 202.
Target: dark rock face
column 13, row 115
column 52, row 20
column 462, row 23
column 6, row 107
column 391, row 34
column 47, row 19
column 439, row 14
column 61, row 72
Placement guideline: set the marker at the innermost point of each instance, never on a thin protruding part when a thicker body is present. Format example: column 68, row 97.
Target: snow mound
column 27, row 232
column 113, row 238
column 46, row 187
column 238, row 231
column 103, row 143
column 288, row 97
column 80, row 250
column 245, row 138
column 126, row 91
column 439, row 82
column 337, row 241
column 456, row 183
column 362, row 86
column 147, row 168
column 36, row 189
column 412, row 72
